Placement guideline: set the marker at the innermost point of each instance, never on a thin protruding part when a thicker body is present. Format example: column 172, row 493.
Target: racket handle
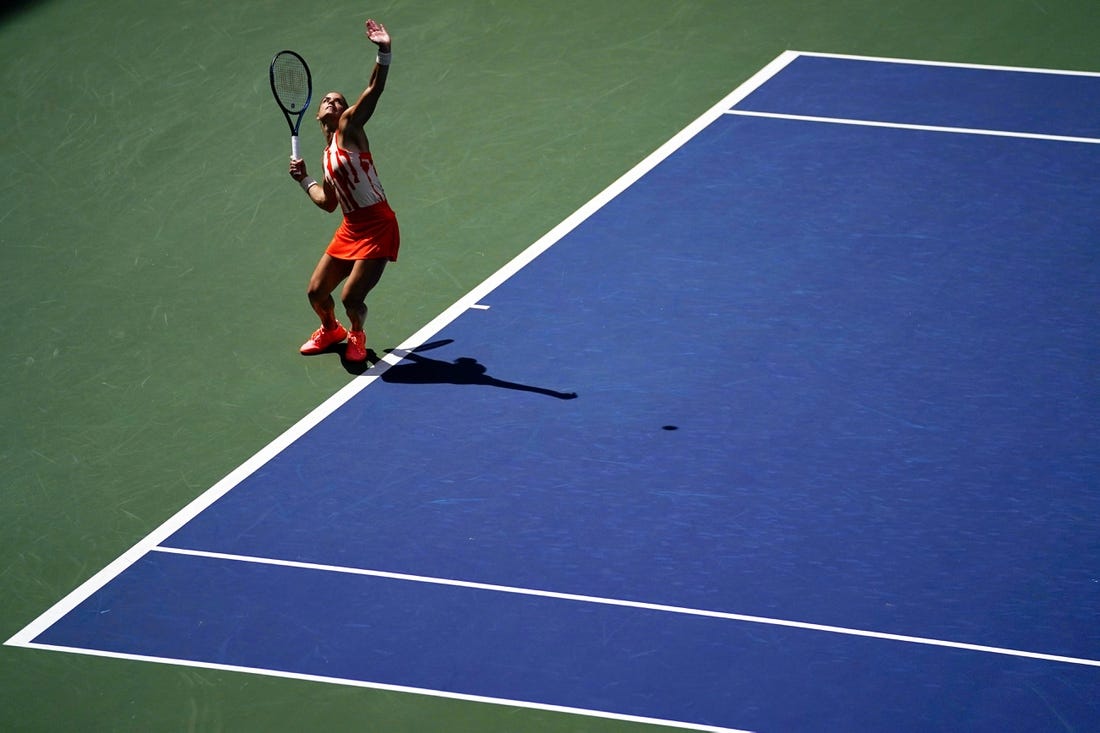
column 294, row 148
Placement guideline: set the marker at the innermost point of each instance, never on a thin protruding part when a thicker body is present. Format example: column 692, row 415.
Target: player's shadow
column 418, row 369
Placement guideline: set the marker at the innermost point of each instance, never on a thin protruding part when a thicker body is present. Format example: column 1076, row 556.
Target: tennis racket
column 293, row 87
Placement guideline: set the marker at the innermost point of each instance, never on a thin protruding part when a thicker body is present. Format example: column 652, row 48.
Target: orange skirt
column 367, row 234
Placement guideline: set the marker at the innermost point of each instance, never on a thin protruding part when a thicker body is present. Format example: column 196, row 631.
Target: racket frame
column 295, row 123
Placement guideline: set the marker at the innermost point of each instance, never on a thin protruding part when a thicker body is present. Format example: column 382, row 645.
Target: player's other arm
column 319, row 192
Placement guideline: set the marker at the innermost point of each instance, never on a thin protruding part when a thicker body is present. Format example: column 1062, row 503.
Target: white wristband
column 384, row 58
column 307, row 182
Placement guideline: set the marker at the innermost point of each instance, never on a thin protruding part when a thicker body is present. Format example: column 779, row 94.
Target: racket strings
column 291, row 82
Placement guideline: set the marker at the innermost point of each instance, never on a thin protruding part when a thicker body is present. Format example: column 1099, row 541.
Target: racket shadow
column 415, row 368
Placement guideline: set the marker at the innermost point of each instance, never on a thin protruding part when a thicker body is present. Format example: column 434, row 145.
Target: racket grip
column 294, row 148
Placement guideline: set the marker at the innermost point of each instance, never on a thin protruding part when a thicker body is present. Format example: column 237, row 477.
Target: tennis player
column 368, row 236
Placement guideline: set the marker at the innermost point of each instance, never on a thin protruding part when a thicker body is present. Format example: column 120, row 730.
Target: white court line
column 354, row 387
column 391, row 688
column 907, row 126
column 949, row 64
column 681, row 610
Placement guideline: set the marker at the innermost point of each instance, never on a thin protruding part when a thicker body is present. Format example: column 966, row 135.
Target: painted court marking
column 907, row 126
column 393, row 688
column 629, row 604
column 473, row 300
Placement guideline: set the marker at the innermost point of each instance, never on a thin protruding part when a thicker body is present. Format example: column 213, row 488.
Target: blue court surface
column 795, row 427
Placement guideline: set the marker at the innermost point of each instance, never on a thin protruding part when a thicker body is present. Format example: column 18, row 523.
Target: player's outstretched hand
column 378, row 34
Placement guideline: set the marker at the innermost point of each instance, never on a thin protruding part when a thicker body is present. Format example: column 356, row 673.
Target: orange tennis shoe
column 323, row 338
column 357, row 346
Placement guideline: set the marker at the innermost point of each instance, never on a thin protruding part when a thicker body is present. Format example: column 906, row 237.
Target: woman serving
column 368, row 237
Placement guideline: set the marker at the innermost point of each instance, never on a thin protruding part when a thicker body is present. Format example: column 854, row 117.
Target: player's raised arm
column 364, row 108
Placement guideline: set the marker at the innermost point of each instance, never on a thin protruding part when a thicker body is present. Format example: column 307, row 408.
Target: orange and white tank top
column 353, row 176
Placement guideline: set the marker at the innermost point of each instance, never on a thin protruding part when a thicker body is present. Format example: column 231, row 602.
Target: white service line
column 948, row 64
column 908, row 126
